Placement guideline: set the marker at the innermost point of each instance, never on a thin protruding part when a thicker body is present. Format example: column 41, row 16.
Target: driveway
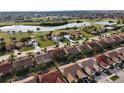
column 119, row 73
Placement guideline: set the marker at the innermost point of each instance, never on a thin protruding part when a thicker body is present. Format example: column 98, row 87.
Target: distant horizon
column 59, row 10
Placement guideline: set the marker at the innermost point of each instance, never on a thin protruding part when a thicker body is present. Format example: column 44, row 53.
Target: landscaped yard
column 114, row 77
column 7, row 36
column 6, row 53
column 64, row 40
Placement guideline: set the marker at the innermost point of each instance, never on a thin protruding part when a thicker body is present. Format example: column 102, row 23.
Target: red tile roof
column 57, row 52
column 93, row 44
column 51, row 77
column 102, row 42
column 109, row 40
column 71, row 50
column 89, row 65
column 5, row 67
column 72, row 72
column 117, row 38
column 102, row 60
column 113, row 54
column 84, row 47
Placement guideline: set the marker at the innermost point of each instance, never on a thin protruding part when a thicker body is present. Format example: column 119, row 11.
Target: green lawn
column 26, row 49
column 45, row 43
column 87, row 35
column 6, row 78
column 38, row 34
column 114, row 78
column 6, row 23
column 18, row 23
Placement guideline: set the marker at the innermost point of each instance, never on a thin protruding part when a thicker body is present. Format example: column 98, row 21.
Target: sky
column 57, row 5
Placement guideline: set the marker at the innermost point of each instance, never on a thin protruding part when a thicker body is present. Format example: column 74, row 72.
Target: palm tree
column 20, row 31
column 13, row 32
column 38, row 28
column 12, row 56
column 45, row 49
column 8, row 31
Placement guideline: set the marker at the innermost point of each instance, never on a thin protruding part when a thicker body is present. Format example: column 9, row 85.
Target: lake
column 23, row 28
column 42, row 28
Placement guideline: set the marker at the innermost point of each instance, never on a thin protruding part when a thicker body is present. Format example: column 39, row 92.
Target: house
column 84, row 47
column 52, row 76
column 89, row 65
column 121, row 51
column 109, row 40
column 72, row 72
column 103, row 61
column 114, row 56
column 101, row 42
column 5, row 67
column 121, row 35
column 71, row 50
column 40, row 58
column 22, row 62
column 30, row 79
column 93, row 44
column 117, row 39
column 56, row 52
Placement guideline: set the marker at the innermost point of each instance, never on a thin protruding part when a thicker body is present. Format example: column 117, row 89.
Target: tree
column 123, row 21
column 119, row 21
column 40, row 67
column 1, row 39
column 13, row 38
column 38, row 28
column 12, row 56
column 8, row 31
column 2, row 48
column 29, row 32
column 20, row 31
column 13, row 32
column 60, row 57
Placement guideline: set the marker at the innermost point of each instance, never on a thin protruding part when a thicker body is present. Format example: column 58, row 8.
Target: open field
column 19, row 23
